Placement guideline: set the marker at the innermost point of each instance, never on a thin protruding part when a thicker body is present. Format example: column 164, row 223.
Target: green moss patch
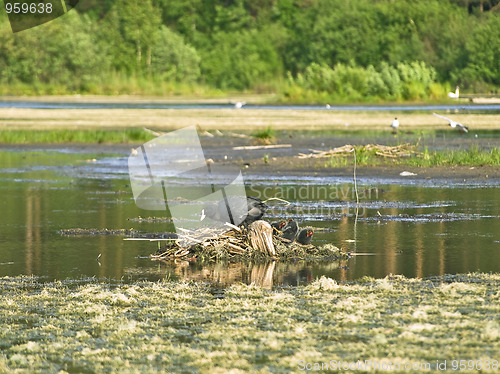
column 191, row 327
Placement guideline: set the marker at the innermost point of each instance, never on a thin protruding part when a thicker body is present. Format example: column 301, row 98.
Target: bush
column 412, row 81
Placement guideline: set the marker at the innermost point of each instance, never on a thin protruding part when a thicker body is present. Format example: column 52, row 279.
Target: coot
column 290, row 229
column 278, row 227
column 242, row 210
column 304, row 236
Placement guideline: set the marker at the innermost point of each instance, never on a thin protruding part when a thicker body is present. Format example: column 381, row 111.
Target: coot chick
column 252, row 208
column 290, row 229
column 304, row 236
column 278, row 227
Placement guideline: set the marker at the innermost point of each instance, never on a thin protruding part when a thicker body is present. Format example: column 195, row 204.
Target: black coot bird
column 290, row 229
column 304, row 236
column 278, row 227
column 238, row 210
column 256, row 209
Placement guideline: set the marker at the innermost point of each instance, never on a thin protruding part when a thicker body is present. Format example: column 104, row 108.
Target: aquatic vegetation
column 265, row 136
column 86, row 326
column 370, row 156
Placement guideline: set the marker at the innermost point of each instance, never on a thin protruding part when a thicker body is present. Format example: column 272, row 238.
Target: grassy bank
column 188, row 327
column 86, row 136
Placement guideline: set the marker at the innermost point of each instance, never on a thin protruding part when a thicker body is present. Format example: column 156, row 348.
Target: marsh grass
column 86, row 136
column 473, row 156
column 265, row 136
column 467, row 157
column 87, row 326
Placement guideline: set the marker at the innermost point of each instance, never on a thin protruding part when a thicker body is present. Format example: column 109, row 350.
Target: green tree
column 62, row 52
column 130, row 31
column 173, row 60
column 483, row 50
column 240, row 59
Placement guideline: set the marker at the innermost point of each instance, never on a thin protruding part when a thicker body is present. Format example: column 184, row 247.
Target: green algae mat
column 393, row 324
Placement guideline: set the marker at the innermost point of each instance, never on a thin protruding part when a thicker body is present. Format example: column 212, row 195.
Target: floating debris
column 92, row 232
column 402, row 150
column 150, row 219
column 130, row 233
column 253, row 147
column 430, row 217
column 407, row 174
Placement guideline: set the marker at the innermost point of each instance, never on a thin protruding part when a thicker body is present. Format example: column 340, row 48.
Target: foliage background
column 305, row 50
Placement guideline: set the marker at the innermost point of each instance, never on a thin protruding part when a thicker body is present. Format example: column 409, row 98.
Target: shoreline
column 225, row 97
column 285, row 163
column 431, row 176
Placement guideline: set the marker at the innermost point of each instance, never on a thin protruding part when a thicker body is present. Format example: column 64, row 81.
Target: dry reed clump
column 402, row 150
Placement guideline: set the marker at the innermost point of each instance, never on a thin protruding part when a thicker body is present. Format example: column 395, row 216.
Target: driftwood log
column 261, row 237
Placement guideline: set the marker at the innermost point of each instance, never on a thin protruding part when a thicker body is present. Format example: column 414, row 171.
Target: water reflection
column 266, row 274
column 412, row 230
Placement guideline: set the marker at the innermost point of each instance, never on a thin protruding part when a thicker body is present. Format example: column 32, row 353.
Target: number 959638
column 474, row 365
column 25, row 8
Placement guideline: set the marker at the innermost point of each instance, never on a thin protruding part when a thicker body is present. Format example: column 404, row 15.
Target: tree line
column 307, row 50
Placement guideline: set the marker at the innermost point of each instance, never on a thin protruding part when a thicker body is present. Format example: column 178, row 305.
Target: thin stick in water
column 354, row 176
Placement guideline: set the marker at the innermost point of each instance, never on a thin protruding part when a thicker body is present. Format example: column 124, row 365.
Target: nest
column 244, row 244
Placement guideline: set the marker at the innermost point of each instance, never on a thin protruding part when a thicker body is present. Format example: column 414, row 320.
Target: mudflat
column 233, row 119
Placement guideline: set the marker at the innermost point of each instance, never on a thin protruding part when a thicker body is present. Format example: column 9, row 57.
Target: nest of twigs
column 236, row 245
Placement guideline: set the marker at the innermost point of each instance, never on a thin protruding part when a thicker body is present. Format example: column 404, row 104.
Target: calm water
column 458, row 108
column 400, row 228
